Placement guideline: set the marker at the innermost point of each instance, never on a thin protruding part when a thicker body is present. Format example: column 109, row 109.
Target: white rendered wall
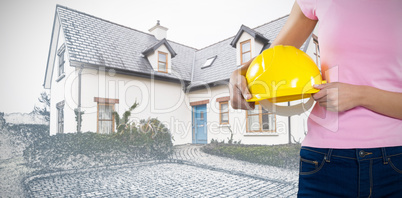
column 168, row 103
column 58, row 91
column 157, row 99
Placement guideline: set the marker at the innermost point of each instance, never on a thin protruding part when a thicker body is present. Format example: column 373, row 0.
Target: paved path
column 189, row 173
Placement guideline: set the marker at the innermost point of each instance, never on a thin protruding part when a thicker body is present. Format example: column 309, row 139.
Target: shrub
column 28, row 132
column 14, row 138
column 74, row 150
column 122, row 123
column 57, row 149
column 151, row 134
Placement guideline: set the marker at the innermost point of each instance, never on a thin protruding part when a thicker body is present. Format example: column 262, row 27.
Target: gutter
column 127, row 72
column 192, row 69
column 191, row 88
column 79, row 99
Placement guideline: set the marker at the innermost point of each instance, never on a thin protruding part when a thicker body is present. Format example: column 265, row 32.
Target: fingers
column 238, row 101
column 321, row 86
column 327, row 97
column 321, row 95
column 324, row 90
column 239, row 92
column 242, row 86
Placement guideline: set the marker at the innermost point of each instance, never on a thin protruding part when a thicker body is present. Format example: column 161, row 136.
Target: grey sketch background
column 25, row 30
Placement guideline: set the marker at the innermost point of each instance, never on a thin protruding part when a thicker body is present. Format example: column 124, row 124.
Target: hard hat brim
column 282, row 97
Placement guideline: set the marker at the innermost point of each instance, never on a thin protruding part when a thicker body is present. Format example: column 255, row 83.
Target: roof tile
column 113, row 45
column 96, row 41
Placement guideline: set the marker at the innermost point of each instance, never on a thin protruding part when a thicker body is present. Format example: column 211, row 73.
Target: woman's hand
column 337, row 96
column 238, row 89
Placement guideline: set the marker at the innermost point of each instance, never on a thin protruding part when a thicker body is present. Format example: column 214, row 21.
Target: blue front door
column 200, row 124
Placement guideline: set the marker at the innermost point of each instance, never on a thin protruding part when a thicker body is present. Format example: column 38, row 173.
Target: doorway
column 199, row 117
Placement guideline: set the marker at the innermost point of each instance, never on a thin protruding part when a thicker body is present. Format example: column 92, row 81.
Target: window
column 317, row 51
column 162, row 62
column 105, row 118
column 105, row 122
column 224, row 112
column 208, row 62
column 260, row 120
column 60, row 117
column 245, row 50
column 60, row 54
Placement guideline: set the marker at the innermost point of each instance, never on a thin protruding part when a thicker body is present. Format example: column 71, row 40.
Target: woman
column 359, row 155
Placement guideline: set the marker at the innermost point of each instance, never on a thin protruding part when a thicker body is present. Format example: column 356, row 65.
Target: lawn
column 284, row 156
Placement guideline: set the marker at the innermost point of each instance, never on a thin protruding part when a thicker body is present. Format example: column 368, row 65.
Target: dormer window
column 248, row 43
column 162, row 62
column 160, row 56
column 245, row 50
column 208, row 62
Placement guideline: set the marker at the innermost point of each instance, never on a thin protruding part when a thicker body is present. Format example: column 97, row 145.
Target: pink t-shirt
column 360, row 44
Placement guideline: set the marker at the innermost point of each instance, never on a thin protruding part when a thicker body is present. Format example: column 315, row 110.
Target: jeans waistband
column 358, row 154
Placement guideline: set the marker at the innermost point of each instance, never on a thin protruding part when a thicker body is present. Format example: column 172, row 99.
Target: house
column 98, row 67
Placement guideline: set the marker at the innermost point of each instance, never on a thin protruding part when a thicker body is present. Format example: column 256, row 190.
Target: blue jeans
column 375, row 172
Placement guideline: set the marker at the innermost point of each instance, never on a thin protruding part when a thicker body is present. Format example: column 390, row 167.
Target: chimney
column 158, row 31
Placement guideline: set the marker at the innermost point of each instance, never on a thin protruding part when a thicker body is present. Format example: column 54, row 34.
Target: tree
column 43, row 111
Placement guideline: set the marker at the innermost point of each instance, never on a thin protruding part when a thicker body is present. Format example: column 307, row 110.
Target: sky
column 26, row 27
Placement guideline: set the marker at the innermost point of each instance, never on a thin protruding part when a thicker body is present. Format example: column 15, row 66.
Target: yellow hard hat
column 281, row 74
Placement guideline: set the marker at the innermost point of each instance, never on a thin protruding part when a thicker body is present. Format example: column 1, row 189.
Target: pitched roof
column 157, row 45
column 95, row 42
column 256, row 35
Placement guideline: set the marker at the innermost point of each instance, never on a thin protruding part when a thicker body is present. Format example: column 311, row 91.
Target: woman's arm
column 383, row 102
column 295, row 31
column 342, row 97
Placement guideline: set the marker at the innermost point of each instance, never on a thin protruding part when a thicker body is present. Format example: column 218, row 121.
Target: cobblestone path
column 189, row 173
